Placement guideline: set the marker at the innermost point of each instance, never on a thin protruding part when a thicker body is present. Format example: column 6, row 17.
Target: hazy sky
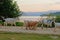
column 38, row 5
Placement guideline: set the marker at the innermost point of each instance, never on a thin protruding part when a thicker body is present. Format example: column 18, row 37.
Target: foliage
column 2, row 23
column 19, row 23
column 57, row 18
column 39, row 25
column 9, row 9
column 44, row 25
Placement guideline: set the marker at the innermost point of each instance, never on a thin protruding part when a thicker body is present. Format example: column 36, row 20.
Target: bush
column 44, row 25
column 2, row 23
column 19, row 23
column 39, row 25
column 57, row 19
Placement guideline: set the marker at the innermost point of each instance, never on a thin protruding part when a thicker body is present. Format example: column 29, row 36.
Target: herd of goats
column 32, row 24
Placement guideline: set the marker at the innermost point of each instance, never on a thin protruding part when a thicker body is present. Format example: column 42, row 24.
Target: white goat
column 10, row 21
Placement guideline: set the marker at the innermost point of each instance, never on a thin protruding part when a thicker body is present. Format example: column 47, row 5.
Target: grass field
column 27, row 36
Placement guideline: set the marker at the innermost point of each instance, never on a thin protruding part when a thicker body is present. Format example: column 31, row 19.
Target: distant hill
column 33, row 13
column 53, row 14
column 56, row 14
column 44, row 13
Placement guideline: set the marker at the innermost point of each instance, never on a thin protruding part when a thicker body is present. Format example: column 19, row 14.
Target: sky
column 38, row 5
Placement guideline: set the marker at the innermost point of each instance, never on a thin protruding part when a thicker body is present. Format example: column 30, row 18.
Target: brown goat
column 31, row 25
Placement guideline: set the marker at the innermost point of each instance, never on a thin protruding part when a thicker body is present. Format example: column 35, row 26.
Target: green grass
column 26, row 36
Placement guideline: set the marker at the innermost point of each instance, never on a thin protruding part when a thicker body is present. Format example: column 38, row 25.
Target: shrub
column 2, row 23
column 44, row 25
column 39, row 25
column 57, row 19
column 19, row 23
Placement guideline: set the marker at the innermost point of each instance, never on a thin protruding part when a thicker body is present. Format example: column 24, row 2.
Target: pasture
column 27, row 36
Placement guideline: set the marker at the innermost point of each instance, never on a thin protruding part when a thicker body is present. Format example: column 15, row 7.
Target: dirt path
column 23, row 30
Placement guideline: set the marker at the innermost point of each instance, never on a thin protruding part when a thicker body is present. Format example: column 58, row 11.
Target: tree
column 9, row 9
